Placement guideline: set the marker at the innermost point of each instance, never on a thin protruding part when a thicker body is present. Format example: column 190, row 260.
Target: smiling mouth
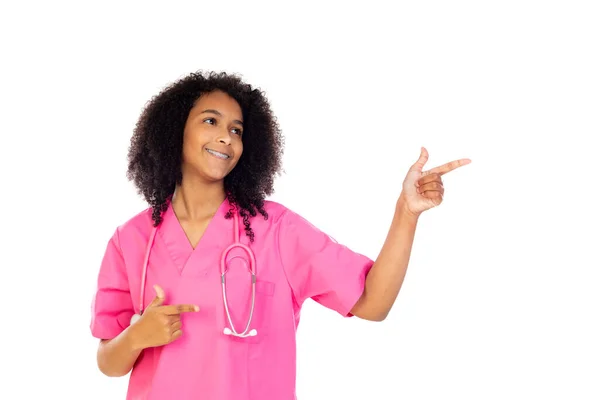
column 217, row 154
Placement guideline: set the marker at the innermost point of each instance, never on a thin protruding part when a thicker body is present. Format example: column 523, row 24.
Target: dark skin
column 215, row 124
column 212, row 146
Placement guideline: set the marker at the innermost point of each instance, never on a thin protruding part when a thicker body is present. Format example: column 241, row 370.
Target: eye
column 237, row 131
column 211, row 121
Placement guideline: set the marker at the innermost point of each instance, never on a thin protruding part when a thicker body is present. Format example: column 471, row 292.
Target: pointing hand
column 422, row 190
column 160, row 324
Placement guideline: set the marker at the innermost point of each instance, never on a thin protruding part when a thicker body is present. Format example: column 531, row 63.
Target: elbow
column 116, row 375
column 369, row 310
column 110, row 372
column 380, row 317
column 105, row 365
column 375, row 316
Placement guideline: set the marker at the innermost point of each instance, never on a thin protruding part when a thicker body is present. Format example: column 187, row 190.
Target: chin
column 215, row 176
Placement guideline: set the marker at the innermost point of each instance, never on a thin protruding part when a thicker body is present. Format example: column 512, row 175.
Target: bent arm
column 117, row 356
column 385, row 278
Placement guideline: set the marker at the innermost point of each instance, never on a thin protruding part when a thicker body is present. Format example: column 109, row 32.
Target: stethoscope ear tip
column 227, row 331
column 252, row 332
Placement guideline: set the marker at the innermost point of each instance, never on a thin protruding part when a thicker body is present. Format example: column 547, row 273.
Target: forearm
column 385, row 278
column 117, row 356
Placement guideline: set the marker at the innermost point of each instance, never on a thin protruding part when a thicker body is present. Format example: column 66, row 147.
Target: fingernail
column 196, row 308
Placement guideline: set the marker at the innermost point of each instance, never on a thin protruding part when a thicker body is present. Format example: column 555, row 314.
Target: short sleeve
column 318, row 267
column 112, row 306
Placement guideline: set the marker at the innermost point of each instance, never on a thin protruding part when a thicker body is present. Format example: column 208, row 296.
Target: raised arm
column 421, row 190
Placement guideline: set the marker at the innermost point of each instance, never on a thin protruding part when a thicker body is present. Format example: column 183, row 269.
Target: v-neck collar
column 177, row 243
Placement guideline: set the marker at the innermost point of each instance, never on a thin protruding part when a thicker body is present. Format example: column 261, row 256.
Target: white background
column 501, row 297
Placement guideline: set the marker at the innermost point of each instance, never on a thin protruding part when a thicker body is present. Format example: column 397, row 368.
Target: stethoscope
column 223, row 268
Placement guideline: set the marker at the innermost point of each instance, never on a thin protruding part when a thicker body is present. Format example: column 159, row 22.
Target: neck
column 194, row 200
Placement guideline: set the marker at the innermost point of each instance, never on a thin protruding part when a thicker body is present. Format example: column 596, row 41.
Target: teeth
column 217, row 154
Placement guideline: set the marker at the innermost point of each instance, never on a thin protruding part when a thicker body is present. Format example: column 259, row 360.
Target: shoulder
column 274, row 209
column 139, row 225
column 288, row 220
column 279, row 213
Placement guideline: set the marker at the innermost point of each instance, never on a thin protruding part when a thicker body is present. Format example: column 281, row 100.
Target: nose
column 224, row 137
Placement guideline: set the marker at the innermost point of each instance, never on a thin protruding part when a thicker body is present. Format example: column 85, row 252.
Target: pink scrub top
column 294, row 260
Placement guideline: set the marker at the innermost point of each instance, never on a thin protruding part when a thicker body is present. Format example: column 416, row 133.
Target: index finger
column 445, row 168
column 180, row 308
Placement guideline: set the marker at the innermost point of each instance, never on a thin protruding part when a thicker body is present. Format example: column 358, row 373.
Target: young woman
column 190, row 315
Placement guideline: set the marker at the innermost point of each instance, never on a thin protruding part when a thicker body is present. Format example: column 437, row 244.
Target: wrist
column 404, row 212
column 134, row 342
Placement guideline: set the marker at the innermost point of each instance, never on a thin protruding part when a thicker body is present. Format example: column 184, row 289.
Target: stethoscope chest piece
column 134, row 318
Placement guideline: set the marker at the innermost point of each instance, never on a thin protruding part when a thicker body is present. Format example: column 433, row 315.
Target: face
column 212, row 137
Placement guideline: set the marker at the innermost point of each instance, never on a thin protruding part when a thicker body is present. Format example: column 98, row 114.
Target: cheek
column 193, row 140
column 188, row 147
column 190, row 151
column 239, row 148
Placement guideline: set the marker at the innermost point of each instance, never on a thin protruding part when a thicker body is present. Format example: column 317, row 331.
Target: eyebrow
column 215, row 112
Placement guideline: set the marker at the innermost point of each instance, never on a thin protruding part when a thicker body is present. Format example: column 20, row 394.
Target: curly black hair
column 155, row 153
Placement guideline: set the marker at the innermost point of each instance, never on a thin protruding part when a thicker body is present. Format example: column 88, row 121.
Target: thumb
column 160, row 297
column 420, row 164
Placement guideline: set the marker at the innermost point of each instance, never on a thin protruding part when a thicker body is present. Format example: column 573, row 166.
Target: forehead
column 218, row 101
